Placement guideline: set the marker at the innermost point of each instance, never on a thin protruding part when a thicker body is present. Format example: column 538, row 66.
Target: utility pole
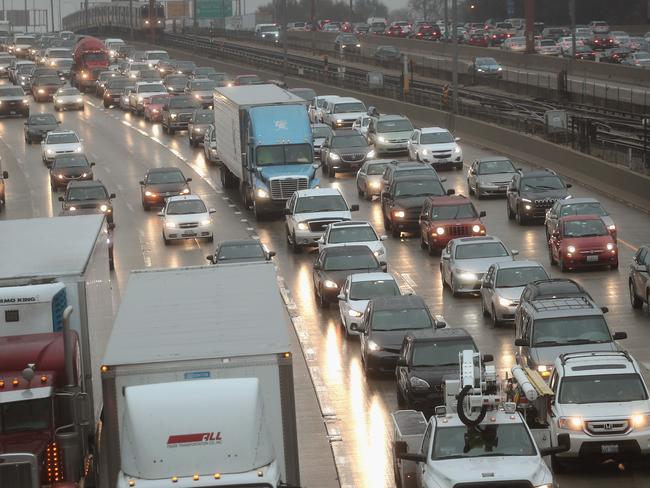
column 312, row 20
column 529, row 13
column 85, row 14
column 283, row 31
column 52, row 13
column 446, row 14
column 454, row 62
column 195, row 20
column 27, row 17
column 572, row 16
column 152, row 21
column 130, row 19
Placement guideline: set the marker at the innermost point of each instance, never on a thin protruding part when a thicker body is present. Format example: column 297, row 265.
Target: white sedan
column 186, row 217
column 435, row 146
column 353, row 232
column 358, row 290
column 60, row 142
column 68, row 98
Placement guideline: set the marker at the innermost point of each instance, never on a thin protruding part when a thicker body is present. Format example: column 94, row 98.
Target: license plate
column 592, row 259
column 189, row 234
column 609, row 449
column 13, row 112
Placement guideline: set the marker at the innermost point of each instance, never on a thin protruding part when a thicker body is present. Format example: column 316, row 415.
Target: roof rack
column 569, row 303
column 577, row 355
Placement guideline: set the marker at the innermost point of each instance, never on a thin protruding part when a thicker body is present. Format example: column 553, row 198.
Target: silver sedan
column 369, row 177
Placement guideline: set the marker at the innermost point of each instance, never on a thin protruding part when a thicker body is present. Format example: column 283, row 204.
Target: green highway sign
column 213, row 9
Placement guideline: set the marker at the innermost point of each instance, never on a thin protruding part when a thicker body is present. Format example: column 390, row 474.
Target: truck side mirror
column 5, row 175
column 619, row 336
column 488, row 358
column 522, row 343
column 416, row 458
column 604, row 309
column 354, row 208
column 482, row 214
column 61, row 199
column 111, row 196
column 270, row 254
column 451, row 191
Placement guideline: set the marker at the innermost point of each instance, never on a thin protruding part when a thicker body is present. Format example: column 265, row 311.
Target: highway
column 356, row 410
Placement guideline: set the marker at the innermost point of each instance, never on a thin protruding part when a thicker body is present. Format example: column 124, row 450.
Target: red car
column 480, row 39
column 602, row 41
column 582, row 241
column 153, row 109
column 496, row 37
column 427, row 33
column 445, row 218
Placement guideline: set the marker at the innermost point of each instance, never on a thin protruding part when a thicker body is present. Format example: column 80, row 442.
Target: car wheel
column 395, row 232
column 452, row 285
column 106, row 104
column 635, row 301
column 331, row 172
column 550, row 256
column 322, row 303
column 360, row 192
column 146, row 206
column 647, row 299
column 165, row 240
column 614, row 266
column 387, row 224
column 478, row 192
column 171, row 131
column 401, row 401
column 423, row 244
column 494, row 321
column 521, row 220
column 511, row 214
column 417, row 157
column 295, row 247
column 484, row 310
column 560, row 264
column 558, row 465
column 469, row 188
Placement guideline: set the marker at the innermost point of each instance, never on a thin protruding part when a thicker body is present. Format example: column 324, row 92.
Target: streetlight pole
column 572, row 16
column 26, row 18
column 52, row 13
column 446, row 14
column 454, row 61
column 283, row 30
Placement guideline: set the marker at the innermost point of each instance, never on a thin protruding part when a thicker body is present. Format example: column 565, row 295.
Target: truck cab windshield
column 489, row 440
column 24, row 416
column 284, row 154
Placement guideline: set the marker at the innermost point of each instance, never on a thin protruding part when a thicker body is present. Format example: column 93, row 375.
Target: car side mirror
column 141, row 182
column 287, row 211
column 161, row 214
column 604, row 309
column 556, row 234
column 111, row 226
column 439, row 324
column 58, row 122
column 383, row 238
column 416, row 458
column 341, row 296
column 619, row 336
column 445, row 257
column 563, row 445
column 488, row 358
column 81, row 140
column 61, row 199
column 270, row 254
column 320, row 240
column 5, row 175
column 443, row 179
column 515, row 252
column 187, row 180
column 356, row 327
column 212, row 210
column 92, row 164
column 482, row 214
column 317, row 267
column 402, row 362
column 569, row 185
column 384, row 267
column 451, row 191
column 210, row 258
column 25, row 123
column 457, row 139
column 522, row 343
column 111, row 196
column 354, row 208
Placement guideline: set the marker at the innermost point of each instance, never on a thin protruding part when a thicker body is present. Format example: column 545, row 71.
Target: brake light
column 54, row 463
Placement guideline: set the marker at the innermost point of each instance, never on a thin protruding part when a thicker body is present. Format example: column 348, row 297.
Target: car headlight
column 133, row 75
column 185, row 191
column 58, row 101
column 374, row 184
column 84, row 76
column 457, row 150
column 476, row 228
column 198, row 97
column 371, row 153
column 419, row 383
column 149, row 194
column 334, row 157
column 25, row 101
column 399, row 214
column 173, row 116
column 59, row 176
column 262, row 193
column 544, row 370
column 571, row 423
column 424, row 152
column 206, row 222
column 80, row 100
column 354, row 313
column 466, row 276
column 358, row 45
column 611, row 227
column 170, row 225
column 151, row 65
column 526, row 200
column 546, row 485
column 303, row 226
column 330, row 284
column 440, row 231
column 505, row 302
column 499, row 69
column 77, row 149
column 155, row 110
column 610, row 246
column 373, row 346
column 640, row 420
column 379, row 252
column 72, row 209
column 571, row 249
column 41, row 91
column 103, row 208
column 140, row 99
column 83, row 175
column 50, row 151
column 381, row 139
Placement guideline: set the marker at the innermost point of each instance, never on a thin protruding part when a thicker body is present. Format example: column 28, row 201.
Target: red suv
column 446, row 218
column 582, row 241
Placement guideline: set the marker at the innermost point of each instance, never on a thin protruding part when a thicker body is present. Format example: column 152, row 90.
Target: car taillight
column 54, row 463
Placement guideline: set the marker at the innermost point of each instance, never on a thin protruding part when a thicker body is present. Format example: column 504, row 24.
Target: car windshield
column 62, row 139
column 159, row 55
column 118, row 83
column 30, row 415
column 495, row 167
column 159, row 100
column 355, row 140
column 436, row 138
column 204, row 70
column 585, row 228
column 602, row 388
column 49, row 80
column 321, row 132
column 269, row 28
column 249, row 80
column 304, row 93
column 138, row 66
column 149, row 74
column 204, row 118
column 86, row 193
column 341, row 262
column 182, row 207
column 186, row 66
column 376, row 169
column 182, row 102
column 535, row 183
column 161, row 177
column 287, row 154
column 42, row 119
column 518, row 277
column 153, row 88
column 399, row 125
column 63, row 63
column 489, row 440
column 176, row 79
column 401, row 319
column 481, row 250
column 442, row 353
column 404, row 189
column 340, row 235
column 593, row 208
column 349, row 107
column 11, row 92
column 321, row 203
column 240, row 251
column 365, row 290
column 68, row 92
column 486, row 62
column 203, row 85
column 25, row 40
column 70, row 161
column 348, row 38
column 450, row 212
column 590, row 329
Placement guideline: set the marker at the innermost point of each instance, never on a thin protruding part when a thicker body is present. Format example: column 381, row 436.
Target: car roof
column 399, row 165
column 461, row 241
column 313, row 192
column 85, row 183
column 320, row 125
column 391, row 117
column 431, row 335
column 432, row 130
column 399, row 302
column 556, row 287
column 569, row 201
column 342, row 250
column 573, row 218
column 241, row 242
column 596, row 363
column 449, row 200
column 380, row 161
column 180, row 198
column 357, row 277
column 163, row 170
column 351, row 223
column 345, row 132
column 516, row 264
column 58, row 132
column 488, row 159
column 538, row 172
column 346, row 100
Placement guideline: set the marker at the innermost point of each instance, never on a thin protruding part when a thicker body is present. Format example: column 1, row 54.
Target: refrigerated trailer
column 198, row 381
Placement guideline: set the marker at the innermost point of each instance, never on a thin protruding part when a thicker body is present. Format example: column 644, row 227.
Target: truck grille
column 321, row 225
column 458, row 230
column 608, row 427
column 283, row 188
column 16, row 475
column 545, row 203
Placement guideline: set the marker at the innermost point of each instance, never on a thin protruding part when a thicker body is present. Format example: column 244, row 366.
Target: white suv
column 601, row 401
column 309, row 212
column 343, row 111
column 435, row 146
column 354, row 233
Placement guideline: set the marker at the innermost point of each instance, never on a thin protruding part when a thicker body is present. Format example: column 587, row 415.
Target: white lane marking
column 146, row 250
column 408, row 280
column 107, row 169
column 647, row 365
column 143, row 132
column 129, row 206
column 127, row 123
column 120, row 187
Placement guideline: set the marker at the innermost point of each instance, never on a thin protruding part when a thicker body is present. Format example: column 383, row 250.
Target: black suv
column 401, row 205
column 346, row 42
column 531, row 193
column 38, row 125
column 87, row 197
column 177, row 112
column 400, row 169
column 160, row 183
column 344, row 151
column 427, row 358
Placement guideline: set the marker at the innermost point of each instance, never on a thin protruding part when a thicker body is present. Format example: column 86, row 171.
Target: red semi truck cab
column 90, row 57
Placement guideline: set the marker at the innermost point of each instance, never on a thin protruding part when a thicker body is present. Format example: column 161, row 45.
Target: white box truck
column 198, row 381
